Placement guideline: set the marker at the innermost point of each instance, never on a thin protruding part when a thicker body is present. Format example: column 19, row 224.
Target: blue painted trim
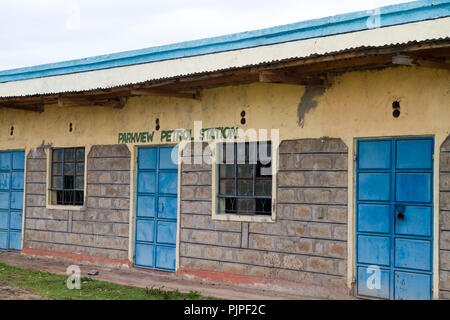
column 343, row 23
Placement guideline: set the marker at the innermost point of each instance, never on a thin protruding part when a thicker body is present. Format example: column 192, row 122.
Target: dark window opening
column 67, row 176
column 245, row 178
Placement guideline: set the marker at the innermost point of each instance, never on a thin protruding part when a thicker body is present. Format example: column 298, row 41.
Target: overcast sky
column 34, row 32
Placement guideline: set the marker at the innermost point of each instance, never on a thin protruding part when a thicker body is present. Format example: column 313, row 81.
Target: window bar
column 63, row 196
column 235, row 177
column 219, row 153
column 254, row 175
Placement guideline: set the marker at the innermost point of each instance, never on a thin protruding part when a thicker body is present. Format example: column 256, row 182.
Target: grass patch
column 53, row 286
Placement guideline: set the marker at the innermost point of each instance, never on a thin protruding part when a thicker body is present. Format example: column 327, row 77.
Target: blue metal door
column 156, row 208
column 394, row 218
column 11, row 199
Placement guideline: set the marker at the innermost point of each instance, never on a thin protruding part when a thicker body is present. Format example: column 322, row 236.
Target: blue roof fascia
column 344, row 23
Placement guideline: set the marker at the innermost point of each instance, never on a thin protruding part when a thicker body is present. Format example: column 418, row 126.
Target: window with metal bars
column 67, row 176
column 245, row 178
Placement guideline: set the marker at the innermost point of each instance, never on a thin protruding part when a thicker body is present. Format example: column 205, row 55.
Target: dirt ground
column 14, row 293
column 136, row 278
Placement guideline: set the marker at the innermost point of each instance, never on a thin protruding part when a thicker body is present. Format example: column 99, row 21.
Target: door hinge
column 355, row 157
column 432, row 156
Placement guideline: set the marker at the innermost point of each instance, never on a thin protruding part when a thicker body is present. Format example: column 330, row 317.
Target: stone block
column 444, row 280
column 202, row 236
column 444, row 162
column 109, row 151
column 249, row 256
column 107, row 164
column 230, row 239
column 37, row 165
column 445, row 146
column 444, row 181
column 444, row 200
column 197, row 207
column 37, row 153
column 36, row 188
column 295, row 262
column 444, row 260
column 235, row 268
column 444, row 217
column 257, row 241
column 321, row 145
column 36, row 177
column 444, row 239
column 318, row 264
column 272, row 259
column 33, row 200
column 319, row 230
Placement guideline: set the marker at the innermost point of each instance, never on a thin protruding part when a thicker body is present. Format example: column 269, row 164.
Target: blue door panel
column 167, row 207
column 412, row 286
column 168, row 182
column 145, row 206
column 165, row 257
column 11, row 198
column 4, row 219
column 156, row 208
column 4, row 240
column 143, row 254
column 374, row 155
column 16, row 220
column 374, row 186
column 16, row 200
column 146, row 182
column 168, row 158
column 147, row 158
column 394, row 217
column 413, row 254
column 374, row 250
column 373, row 282
column 167, row 232
column 17, row 180
column 374, row 218
column 415, row 222
column 413, row 187
column 5, row 161
column 4, row 200
column 4, row 180
column 145, row 230
column 18, row 161
column 15, row 240
column 414, row 154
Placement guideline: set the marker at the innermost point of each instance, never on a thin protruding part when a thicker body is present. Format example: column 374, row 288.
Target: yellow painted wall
column 358, row 104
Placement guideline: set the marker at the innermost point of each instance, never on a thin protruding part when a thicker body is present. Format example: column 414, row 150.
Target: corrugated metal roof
column 352, row 22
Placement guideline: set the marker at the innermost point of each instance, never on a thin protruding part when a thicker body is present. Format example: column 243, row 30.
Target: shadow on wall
column 308, row 102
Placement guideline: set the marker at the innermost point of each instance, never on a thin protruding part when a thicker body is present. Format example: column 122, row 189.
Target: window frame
column 52, row 190
column 216, row 214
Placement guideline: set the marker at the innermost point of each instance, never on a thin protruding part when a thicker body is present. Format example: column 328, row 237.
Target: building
column 147, row 158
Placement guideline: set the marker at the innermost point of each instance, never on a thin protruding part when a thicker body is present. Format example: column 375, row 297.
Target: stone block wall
column 308, row 241
column 100, row 229
column 444, row 223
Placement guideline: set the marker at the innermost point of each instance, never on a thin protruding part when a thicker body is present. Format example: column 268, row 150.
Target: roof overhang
column 304, row 62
